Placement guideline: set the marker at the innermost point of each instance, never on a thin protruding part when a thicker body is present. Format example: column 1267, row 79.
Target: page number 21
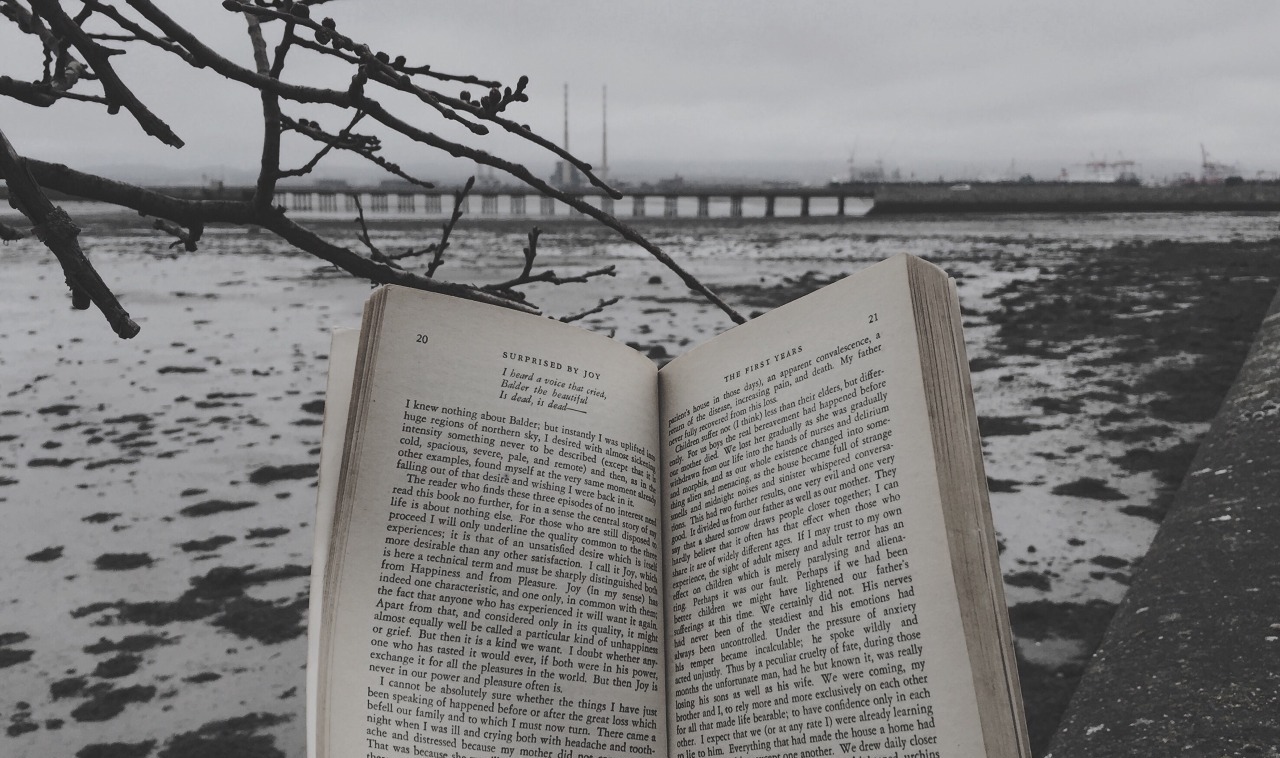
column 874, row 317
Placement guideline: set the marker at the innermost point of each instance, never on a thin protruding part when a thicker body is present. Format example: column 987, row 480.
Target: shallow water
column 159, row 491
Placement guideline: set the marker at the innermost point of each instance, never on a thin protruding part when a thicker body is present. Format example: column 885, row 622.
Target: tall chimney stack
column 604, row 132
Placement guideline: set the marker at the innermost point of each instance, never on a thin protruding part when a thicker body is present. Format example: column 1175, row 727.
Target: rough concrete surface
column 1190, row 665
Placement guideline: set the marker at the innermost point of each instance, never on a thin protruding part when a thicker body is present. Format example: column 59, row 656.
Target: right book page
column 829, row 586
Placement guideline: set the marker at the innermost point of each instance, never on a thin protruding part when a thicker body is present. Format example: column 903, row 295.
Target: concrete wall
column 1190, row 665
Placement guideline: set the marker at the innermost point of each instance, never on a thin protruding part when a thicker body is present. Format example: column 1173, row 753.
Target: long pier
column 765, row 200
column 701, row 201
column 669, row 202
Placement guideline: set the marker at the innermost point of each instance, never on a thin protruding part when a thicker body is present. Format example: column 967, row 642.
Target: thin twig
column 327, row 31
column 549, row 277
column 600, row 307
column 362, row 145
column 446, row 229
column 10, row 233
column 188, row 238
column 531, row 250
column 140, row 34
column 363, row 235
column 329, row 144
column 206, row 56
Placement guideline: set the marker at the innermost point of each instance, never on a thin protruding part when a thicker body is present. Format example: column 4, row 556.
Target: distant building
column 1120, row 171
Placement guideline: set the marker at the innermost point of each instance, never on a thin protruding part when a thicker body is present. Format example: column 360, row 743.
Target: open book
column 533, row 543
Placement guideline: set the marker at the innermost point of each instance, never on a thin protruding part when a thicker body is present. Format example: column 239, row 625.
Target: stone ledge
column 1190, row 664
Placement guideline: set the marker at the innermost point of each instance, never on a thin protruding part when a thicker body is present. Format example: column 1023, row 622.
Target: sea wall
column 1190, row 662
column 1071, row 198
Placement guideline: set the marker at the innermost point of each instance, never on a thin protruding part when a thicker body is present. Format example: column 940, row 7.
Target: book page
column 811, row 602
column 494, row 580
column 342, row 359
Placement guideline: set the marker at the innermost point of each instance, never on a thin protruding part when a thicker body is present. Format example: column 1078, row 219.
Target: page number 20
column 422, row 339
column 874, row 317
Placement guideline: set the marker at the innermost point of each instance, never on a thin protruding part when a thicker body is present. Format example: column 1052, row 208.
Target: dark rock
column 48, row 554
column 1028, row 579
column 237, row 736
column 101, row 517
column 210, row 507
column 1088, row 487
column 1109, row 561
column 122, row 561
column 213, row 543
column 269, row 474
column 68, row 687
column 1002, row 426
column 117, row 750
column 202, row 677
column 108, row 702
column 10, row 657
column 1002, row 485
column 117, row 666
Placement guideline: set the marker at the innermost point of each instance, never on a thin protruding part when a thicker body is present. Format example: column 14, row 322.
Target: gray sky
column 761, row 87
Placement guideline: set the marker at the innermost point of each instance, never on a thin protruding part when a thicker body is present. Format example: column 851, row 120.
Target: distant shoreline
column 1074, row 198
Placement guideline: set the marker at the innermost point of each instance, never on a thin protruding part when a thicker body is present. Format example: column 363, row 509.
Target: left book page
column 491, row 581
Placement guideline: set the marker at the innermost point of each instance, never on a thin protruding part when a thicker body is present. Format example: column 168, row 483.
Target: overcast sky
column 966, row 88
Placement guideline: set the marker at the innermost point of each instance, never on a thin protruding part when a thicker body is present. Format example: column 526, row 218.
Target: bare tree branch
column 363, row 145
column 97, row 58
column 549, row 277
column 138, row 33
column 206, row 56
column 26, row 22
column 446, row 229
column 63, row 179
column 376, row 110
column 378, row 63
column 327, row 34
column 531, row 250
column 329, row 144
column 188, row 238
column 269, row 166
column 305, row 239
column 39, row 94
column 374, row 72
column 59, row 177
column 46, row 93
column 363, row 234
column 54, row 228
